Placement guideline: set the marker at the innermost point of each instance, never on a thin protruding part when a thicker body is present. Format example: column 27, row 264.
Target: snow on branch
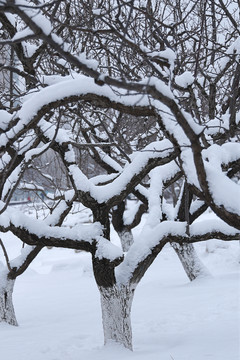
column 21, row 262
column 12, row 181
column 155, row 197
column 30, row 186
column 155, row 153
column 80, row 88
column 106, row 250
column 152, row 239
column 143, row 248
column 212, row 229
column 37, row 232
column 34, row 13
column 219, row 183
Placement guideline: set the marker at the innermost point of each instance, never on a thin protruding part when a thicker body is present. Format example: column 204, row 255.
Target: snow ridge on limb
column 217, row 158
column 156, row 153
column 155, row 197
column 37, row 232
column 20, row 263
column 81, row 88
column 106, row 250
column 151, row 241
column 198, row 172
column 212, row 165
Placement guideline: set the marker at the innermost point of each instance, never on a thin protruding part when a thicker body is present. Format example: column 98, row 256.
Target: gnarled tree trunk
column 7, row 313
column 116, row 302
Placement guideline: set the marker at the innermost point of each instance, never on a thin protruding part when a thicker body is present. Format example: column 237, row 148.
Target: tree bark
column 7, row 313
column 126, row 238
column 116, row 302
column 101, row 214
column 190, row 261
column 186, row 252
column 124, row 232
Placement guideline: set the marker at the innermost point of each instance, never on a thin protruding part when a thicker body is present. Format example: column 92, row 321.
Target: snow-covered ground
column 58, row 309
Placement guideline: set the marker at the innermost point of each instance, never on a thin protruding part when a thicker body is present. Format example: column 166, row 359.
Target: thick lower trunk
column 7, row 313
column 126, row 238
column 116, row 305
column 190, row 261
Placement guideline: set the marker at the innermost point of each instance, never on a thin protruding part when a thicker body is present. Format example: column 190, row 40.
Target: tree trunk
column 7, row 313
column 126, row 238
column 101, row 214
column 124, row 232
column 116, row 305
column 190, row 261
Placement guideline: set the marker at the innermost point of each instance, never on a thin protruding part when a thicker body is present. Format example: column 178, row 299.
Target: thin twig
column 5, row 255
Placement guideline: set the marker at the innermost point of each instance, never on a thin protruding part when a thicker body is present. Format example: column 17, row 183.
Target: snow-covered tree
column 174, row 63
